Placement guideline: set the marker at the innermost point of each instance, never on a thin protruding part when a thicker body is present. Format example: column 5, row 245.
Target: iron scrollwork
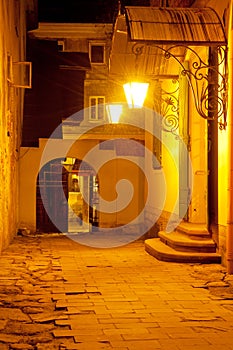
column 207, row 80
column 166, row 103
column 205, row 77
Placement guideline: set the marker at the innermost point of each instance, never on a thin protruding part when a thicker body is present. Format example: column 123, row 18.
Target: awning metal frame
column 179, row 34
column 173, row 25
column 201, row 76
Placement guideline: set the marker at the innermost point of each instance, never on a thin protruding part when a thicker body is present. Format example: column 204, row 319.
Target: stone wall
column 12, row 47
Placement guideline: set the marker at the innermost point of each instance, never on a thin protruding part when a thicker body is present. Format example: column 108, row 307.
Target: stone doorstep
column 163, row 252
column 196, row 230
column 183, row 242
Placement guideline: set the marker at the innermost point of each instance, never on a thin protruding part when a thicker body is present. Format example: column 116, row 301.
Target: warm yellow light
column 135, row 94
column 114, row 111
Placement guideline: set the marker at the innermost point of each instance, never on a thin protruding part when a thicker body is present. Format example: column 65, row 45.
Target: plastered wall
column 12, row 46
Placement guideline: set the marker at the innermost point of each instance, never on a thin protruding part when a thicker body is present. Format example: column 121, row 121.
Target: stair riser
column 194, row 234
column 182, row 259
column 186, row 248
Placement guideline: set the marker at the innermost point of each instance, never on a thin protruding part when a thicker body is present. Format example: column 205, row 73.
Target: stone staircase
column 189, row 243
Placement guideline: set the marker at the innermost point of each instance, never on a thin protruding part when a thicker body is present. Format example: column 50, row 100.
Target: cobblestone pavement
column 56, row 294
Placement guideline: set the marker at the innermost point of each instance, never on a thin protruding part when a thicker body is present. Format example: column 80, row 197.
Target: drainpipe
column 229, row 233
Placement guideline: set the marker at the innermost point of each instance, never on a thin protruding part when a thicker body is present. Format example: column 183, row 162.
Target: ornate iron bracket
column 207, row 80
column 166, row 103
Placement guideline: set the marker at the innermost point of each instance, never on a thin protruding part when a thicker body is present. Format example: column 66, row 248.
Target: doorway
column 75, row 213
column 78, row 208
column 51, row 209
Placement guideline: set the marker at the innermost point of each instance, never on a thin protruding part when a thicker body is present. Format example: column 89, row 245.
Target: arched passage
column 74, row 214
column 49, row 194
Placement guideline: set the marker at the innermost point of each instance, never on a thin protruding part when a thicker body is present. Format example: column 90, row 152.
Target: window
column 97, row 107
column 61, row 45
column 97, row 53
column 19, row 74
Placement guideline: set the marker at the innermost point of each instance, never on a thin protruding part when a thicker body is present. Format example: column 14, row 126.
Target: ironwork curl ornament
column 208, row 81
column 137, row 49
column 202, row 77
column 167, row 105
column 170, row 111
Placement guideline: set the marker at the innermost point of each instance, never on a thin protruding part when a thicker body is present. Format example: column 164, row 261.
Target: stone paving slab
column 56, row 294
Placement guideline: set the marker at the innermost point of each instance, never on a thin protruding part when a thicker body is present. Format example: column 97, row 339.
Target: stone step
column 182, row 242
column 161, row 251
column 195, row 230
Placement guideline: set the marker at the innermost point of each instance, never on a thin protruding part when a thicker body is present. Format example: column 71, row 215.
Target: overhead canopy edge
column 189, row 26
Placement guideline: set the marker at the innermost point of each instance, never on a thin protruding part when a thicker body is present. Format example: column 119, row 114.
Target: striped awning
column 191, row 26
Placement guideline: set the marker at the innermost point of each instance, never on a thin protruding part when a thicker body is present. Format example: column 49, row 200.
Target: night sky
column 77, row 10
column 81, row 11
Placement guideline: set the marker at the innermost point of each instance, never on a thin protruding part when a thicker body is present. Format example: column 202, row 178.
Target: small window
column 97, row 107
column 19, row 74
column 61, row 45
column 97, row 53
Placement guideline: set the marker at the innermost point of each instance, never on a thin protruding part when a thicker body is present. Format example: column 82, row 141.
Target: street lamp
column 114, row 111
column 145, row 38
column 135, row 93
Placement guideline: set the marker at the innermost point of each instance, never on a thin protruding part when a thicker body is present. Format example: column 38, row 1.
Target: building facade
column 154, row 53
column 16, row 17
column 198, row 189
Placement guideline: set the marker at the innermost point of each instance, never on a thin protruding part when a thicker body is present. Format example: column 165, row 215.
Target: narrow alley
column 56, row 294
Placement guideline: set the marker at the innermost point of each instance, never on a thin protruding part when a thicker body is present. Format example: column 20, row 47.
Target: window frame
column 101, row 44
column 95, row 107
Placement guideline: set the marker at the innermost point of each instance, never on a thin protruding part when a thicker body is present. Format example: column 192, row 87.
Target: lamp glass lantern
column 114, row 111
column 135, row 93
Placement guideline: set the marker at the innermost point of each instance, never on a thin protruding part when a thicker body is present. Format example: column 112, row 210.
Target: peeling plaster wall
column 12, row 42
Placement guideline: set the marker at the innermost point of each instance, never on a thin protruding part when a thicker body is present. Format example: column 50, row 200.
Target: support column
column 229, row 233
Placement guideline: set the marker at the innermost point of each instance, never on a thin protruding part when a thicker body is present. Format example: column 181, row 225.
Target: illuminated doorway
column 78, row 212
column 78, row 208
column 51, row 208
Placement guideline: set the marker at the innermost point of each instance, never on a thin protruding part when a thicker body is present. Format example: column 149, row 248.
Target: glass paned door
column 78, row 212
